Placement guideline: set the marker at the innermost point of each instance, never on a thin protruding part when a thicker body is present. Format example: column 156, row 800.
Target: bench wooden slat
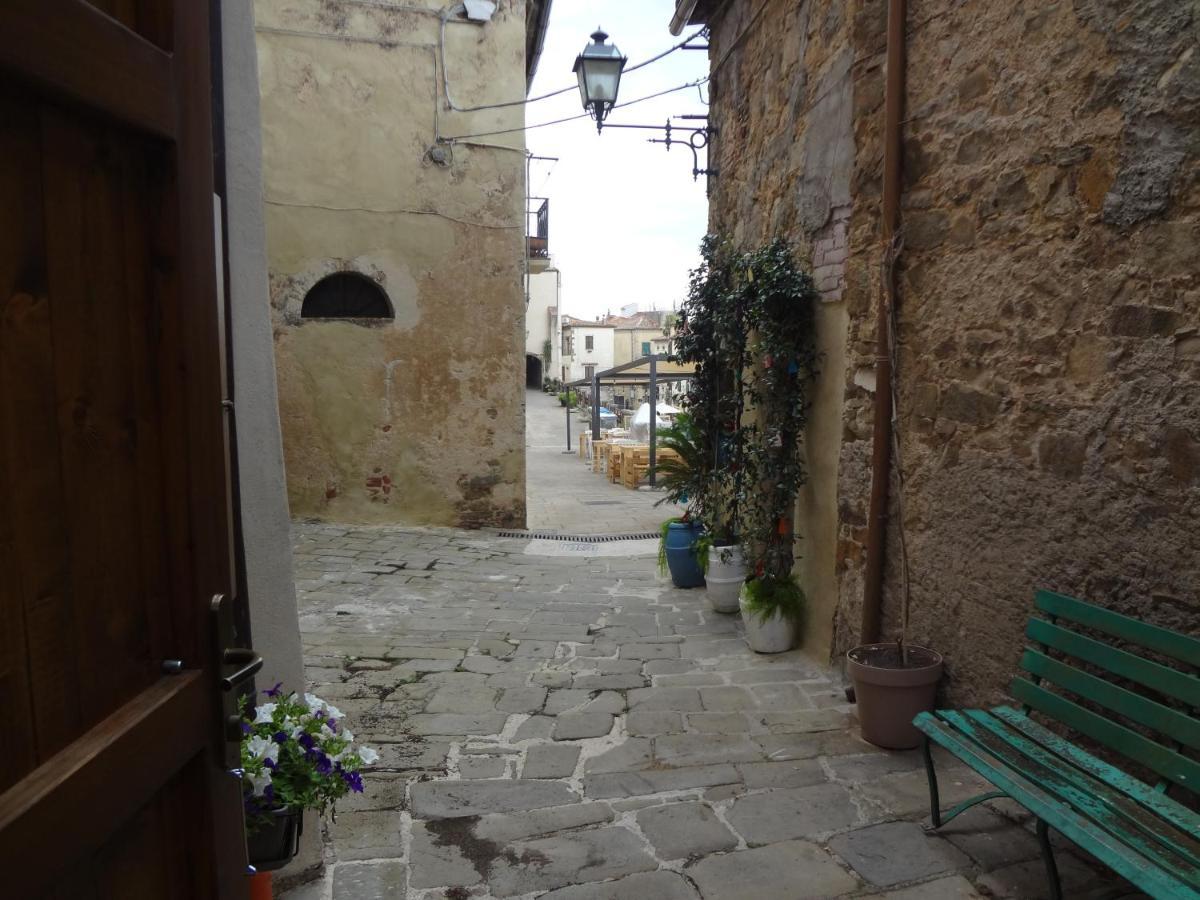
column 1169, row 643
column 1121, row 858
column 1175, row 813
column 1134, row 707
column 1166, row 762
column 1165, row 680
column 1111, row 809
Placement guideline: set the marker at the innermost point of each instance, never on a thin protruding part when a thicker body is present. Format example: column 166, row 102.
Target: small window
column 589, row 343
column 589, row 371
column 346, row 295
column 645, row 348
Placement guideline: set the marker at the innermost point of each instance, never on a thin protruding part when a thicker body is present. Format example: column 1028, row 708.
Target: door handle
column 249, row 661
column 234, row 666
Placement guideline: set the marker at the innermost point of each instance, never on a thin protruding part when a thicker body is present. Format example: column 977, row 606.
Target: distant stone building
column 587, row 347
column 395, row 244
column 635, row 334
column 1048, row 357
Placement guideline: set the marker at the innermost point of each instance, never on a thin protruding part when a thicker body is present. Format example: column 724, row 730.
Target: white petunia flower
column 348, row 734
column 315, row 703
column 261, row 782
column 264, row 713
column 334, row 712
column 367, row 755
column 263, row 748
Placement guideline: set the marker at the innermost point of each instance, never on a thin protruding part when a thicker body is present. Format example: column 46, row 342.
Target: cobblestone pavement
column 574, row 729
column 562, row 492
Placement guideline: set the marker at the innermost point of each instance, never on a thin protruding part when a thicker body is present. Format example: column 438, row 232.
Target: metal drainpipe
column 881, row 450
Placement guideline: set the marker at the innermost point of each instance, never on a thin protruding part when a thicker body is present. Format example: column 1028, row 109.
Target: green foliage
column 546, row 354
column 747, row 328
column 768, row 595
column 568, row 398
column 296, row 753
column 683, row 478
column 663, row 529
column 701, row 548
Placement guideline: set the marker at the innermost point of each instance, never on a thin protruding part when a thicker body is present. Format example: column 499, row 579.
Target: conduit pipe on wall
column 881, row 456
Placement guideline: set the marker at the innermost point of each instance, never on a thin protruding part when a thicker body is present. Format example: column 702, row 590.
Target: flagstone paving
column 575, row 729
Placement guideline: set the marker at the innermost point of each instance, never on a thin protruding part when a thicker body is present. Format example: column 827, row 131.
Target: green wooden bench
column 1136, row 828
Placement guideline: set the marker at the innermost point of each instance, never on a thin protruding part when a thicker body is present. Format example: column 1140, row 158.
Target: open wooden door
column 114, row 502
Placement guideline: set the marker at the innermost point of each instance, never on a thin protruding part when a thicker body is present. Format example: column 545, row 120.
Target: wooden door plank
column 78, row 52
column 97, row 416
column 37, row 590
column 49, row 807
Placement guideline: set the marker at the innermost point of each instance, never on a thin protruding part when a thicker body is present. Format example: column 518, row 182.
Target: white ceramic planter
column 774, row 634
column 725, row 577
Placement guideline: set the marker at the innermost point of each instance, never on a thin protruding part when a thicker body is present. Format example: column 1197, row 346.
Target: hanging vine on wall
column 747, row 328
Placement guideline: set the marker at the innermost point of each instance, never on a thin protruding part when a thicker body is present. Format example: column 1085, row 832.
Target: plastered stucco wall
column 417, row 420
column 1049, row 299
column 785, row 150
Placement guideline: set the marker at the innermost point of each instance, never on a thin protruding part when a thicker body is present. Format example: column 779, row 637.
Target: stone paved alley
column 571, row 728
column 563, row 494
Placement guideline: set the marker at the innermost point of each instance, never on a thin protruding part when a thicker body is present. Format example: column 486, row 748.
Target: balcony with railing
column 538, row 231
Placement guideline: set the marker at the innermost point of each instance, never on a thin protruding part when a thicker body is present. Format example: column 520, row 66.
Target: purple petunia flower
column 324, row 765
column 246, row 728
column 275, row 691
column 280, row 737
column 306, row 741
column 332, row 723
column 270, row 763
column 354, row 780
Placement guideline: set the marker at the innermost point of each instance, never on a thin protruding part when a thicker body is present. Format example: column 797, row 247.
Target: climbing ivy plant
column 747, row 329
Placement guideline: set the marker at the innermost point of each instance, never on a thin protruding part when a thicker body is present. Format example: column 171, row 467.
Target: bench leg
column 935, row 807
column 935, row 810
column 1043, row 834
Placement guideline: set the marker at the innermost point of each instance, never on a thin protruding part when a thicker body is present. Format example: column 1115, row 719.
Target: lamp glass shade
column 598, row 69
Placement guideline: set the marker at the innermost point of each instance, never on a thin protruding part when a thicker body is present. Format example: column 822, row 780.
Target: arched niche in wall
column 346, row 295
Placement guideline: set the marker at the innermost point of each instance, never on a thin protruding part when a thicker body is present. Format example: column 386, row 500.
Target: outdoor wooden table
column 600, row 455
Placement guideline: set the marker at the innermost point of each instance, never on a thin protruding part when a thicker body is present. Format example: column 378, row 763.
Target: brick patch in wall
column 830, row 251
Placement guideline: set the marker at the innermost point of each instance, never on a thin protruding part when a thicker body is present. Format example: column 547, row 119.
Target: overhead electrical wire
column 527, row 100
column 679, row 87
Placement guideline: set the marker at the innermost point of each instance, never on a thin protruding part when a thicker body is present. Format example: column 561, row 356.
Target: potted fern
column 773, row 612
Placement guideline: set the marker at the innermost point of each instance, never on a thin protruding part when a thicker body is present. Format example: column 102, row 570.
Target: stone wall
column 416, row 420
column 782, row 106
column 1048, row 353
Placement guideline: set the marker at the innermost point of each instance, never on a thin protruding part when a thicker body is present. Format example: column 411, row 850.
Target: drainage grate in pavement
column 599, row 502
column 580, row 538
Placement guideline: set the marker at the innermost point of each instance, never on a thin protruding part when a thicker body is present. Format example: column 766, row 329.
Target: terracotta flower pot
column 889, row 695
column 726, row 575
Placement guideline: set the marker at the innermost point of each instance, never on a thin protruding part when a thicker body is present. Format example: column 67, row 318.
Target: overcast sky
column 625, row 216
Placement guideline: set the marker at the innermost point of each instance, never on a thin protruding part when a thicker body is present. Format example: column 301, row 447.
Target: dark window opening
column 589, row 343
column 346, row 295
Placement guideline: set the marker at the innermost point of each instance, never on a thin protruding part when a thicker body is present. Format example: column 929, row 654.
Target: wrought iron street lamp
column 598, row 69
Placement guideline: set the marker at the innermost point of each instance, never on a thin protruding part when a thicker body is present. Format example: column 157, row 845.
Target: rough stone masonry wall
column 781, row 99
column 1049, row 357
column 418, row 420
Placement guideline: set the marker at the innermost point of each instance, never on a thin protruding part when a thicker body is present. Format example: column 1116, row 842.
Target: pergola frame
column 629, row 374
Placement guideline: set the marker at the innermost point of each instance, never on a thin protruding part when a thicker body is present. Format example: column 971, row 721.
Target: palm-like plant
column 684, row 475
